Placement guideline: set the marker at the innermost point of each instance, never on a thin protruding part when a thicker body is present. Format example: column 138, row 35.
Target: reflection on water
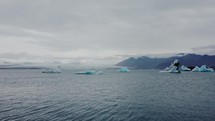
column 138, row 95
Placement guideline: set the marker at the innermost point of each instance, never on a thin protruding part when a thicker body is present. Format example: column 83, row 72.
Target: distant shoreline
column 4, row 68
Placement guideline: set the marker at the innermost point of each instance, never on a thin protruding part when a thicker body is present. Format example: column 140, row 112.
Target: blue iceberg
column 210, row 69
column 123, row 69
column 203, row 68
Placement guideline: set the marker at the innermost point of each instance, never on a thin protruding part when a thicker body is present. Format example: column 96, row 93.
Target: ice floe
column 123, row 69
column 173, row 68
column 203, row 68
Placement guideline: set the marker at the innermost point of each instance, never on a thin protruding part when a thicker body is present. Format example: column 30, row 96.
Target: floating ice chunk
column 184, row 68
column 123, row 69
column 210, row 69
column 203, row 68
column 196, row 69
column 173, row 68
column 167, row 69
column 52, row 70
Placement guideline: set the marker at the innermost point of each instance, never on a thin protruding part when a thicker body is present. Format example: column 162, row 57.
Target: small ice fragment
column 123, row 69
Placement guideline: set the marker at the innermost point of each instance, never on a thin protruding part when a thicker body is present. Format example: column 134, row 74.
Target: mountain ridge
column 190, row 60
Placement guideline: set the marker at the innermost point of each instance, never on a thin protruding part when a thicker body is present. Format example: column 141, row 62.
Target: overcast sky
column 102, row 28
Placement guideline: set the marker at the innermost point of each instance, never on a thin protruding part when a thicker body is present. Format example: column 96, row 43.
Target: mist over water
column 138, row 95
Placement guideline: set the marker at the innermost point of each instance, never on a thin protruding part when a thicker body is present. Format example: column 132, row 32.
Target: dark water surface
column 137, row 96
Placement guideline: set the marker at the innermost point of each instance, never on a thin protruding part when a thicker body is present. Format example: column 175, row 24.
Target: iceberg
column 196, row 69
column 90, row 72
column 123, row 69
column 173, row 68
column 203, row 68
column 210, row 69
column 52, row 70
column 184, row 68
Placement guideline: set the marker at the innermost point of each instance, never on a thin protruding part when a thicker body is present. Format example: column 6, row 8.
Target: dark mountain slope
column 160, row 63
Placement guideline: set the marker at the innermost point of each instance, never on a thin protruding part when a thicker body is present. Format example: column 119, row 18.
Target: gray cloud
column 104, row 28
column 205, row 49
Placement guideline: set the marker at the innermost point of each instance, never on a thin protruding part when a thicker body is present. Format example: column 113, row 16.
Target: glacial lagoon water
column 141, row 95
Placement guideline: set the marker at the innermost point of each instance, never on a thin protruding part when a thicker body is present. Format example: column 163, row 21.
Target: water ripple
column 139, row 95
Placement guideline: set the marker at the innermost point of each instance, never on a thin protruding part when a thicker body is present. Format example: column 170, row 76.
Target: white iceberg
column 196, row 69
column 123, row 69
column 173, row 68
column 52, row 70
column 184, row 68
